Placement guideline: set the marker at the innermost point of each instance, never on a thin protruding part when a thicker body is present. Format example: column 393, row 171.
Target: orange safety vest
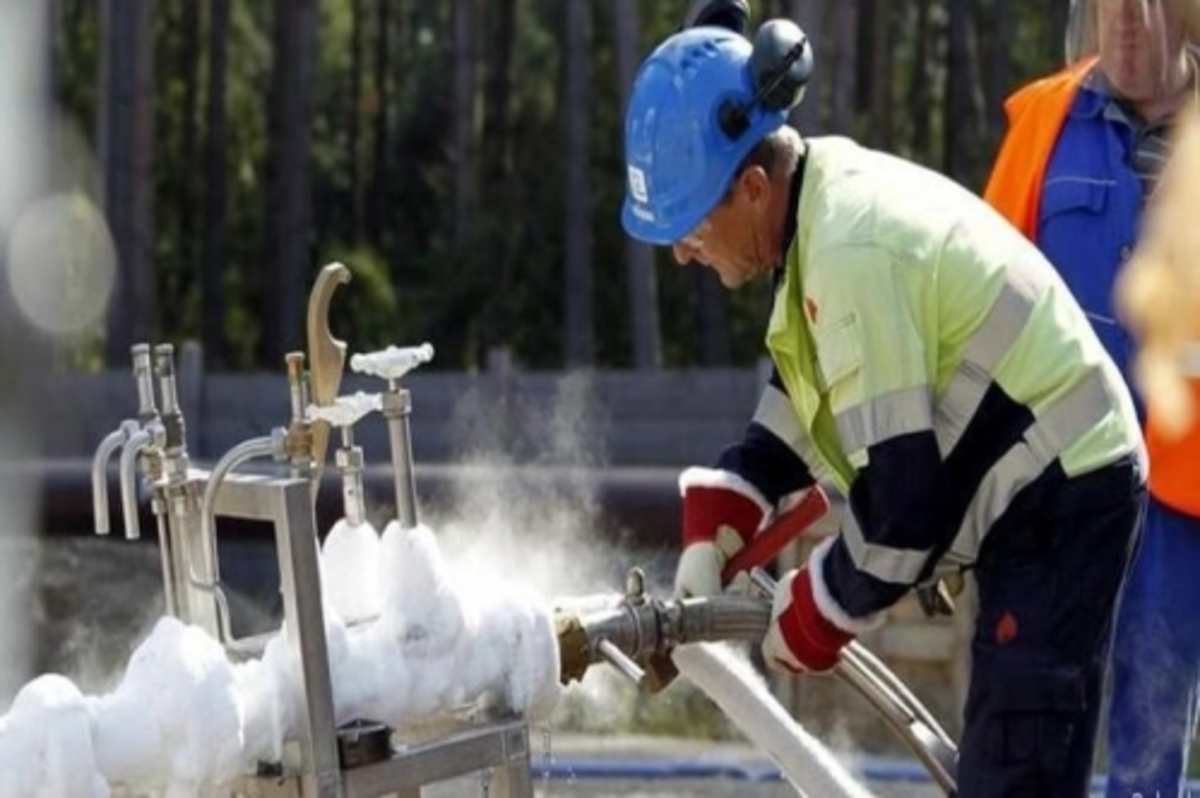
column 1036, row 114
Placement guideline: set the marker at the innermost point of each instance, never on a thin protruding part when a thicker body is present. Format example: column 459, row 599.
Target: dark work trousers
column 1048, row 575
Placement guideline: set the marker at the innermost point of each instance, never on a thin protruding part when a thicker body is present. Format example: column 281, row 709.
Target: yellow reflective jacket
column 907, row 305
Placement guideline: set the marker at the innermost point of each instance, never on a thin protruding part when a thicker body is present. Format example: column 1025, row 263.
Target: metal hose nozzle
column 639, row 629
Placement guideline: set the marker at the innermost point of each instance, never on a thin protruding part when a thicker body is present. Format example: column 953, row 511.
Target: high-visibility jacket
column 931, row 364
column 1051, row 119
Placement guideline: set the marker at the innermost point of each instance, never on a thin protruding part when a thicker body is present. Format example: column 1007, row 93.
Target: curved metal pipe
column 239, row 454
column 104, row 452
column 900, row 710
column 861, row 670
column 869, row 663
column 136, row 443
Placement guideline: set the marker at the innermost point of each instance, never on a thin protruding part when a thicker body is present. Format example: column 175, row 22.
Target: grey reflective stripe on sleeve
column 887, row 564
column 964, row 392
column 884, row 417
column 1057, row 428
column 775, row 412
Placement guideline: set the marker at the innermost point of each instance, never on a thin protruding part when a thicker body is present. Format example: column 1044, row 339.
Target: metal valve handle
column 345, row 410
column 768, row 543
column 391, row 363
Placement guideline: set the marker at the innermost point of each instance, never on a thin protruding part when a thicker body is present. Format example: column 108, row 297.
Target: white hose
column 740, row 693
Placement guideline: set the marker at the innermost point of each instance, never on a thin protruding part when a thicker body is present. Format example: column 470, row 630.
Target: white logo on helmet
column 637, row 184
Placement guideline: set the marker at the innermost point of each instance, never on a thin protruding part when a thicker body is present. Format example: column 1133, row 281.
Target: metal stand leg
column 300, row 572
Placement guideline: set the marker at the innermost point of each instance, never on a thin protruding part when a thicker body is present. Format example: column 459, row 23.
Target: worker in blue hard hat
column 930, row 366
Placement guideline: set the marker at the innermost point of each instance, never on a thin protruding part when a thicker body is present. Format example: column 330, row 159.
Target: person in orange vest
column 1081, row 158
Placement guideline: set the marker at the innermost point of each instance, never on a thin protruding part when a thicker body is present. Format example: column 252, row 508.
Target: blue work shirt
column 1090, row 211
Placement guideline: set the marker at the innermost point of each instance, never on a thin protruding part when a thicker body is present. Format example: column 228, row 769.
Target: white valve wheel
column 346, row 410
column 391, row 363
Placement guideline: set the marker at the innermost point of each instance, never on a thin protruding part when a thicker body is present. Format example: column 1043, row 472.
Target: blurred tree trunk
column 1000, row 72
column 357, row 20
column 377, row 201
column 463, row 120
column 810, row 16
column 126, row 147
column 497, row 109
column 639, row 257
column 213, row 241
column 957, row 99
column 963, row 109
column 577, row 248
column 289, row 204
column 882, row 75
column 1060, row 13
column 189, row 57
column 919, row 97
column 845, row 65
column 496, row 153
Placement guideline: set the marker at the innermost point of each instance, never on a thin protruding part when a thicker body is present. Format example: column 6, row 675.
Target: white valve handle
column 345, row 410
column 392, row 363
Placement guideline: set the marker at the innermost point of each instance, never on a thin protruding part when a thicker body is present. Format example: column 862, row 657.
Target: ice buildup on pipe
column 184, row 719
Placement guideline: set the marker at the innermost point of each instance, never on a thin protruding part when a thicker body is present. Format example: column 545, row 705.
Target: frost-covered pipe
column 741, row 695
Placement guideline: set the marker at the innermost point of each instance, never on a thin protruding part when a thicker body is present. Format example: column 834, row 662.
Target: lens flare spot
column 62, row 263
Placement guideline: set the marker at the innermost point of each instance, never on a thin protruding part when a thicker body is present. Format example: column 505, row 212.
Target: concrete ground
column 633, row 766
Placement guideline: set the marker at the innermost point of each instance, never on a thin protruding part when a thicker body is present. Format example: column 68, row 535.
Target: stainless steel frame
column 186, row 503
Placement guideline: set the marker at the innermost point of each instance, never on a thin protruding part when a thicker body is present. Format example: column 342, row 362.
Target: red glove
column 808, row 630
column 721, row 513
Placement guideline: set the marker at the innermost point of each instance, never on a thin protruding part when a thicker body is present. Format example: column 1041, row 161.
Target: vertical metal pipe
column 143, row 375
column 296, row 390
column 397, row 405
column 164, row 367
column 138, row 441
column 299, row 442
column 350, row 461
column 170, row 577
column 174, row 443
column 299, row 571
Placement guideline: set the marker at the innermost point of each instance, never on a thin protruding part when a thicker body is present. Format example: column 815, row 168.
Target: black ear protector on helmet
column 780, row 64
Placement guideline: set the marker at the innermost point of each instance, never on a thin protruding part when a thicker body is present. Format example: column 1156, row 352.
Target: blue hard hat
column 679, row 159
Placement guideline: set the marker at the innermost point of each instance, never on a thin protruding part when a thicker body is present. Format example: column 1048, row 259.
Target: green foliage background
column 503, row 284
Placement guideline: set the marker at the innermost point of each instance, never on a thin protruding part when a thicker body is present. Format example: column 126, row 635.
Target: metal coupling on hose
column 635, row 632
